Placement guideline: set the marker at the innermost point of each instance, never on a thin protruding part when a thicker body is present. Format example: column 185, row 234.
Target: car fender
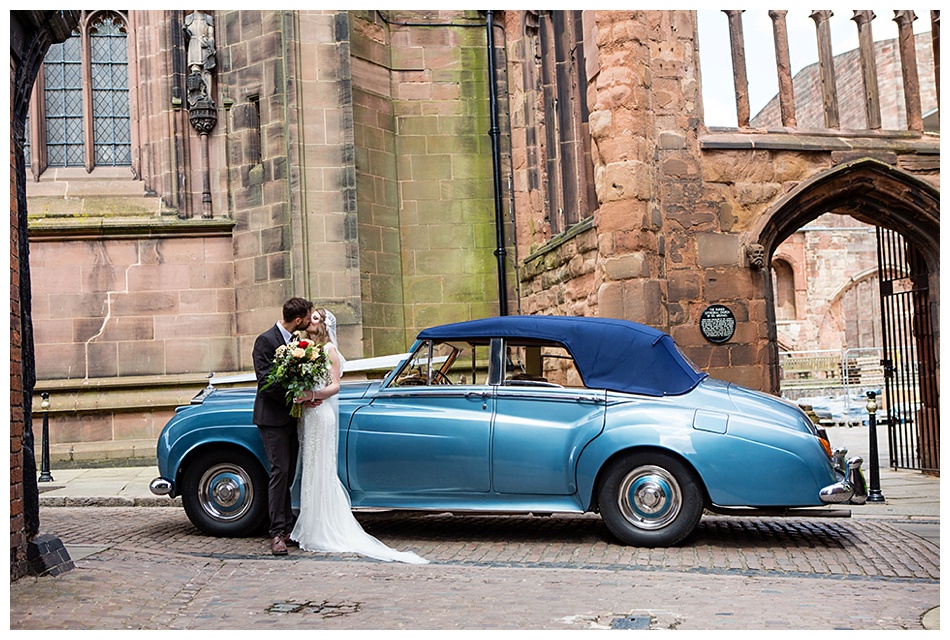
column 188, row 433
column 736, row 468
column 635, row 434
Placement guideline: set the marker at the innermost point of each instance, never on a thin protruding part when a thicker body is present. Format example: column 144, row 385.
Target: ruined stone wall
column 832, row 259
column 655, row 251
column 677, row 205
column 850, row 87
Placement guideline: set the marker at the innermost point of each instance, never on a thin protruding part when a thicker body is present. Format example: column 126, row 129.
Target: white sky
column 719, row 99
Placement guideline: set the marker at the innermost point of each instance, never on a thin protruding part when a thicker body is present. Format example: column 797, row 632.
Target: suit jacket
column 270, row 405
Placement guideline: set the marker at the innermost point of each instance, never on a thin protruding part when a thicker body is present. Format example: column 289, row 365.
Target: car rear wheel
column 225, row 493
column 650, row 500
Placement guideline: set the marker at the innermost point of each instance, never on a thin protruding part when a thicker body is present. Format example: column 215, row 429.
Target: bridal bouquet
column 297, row 367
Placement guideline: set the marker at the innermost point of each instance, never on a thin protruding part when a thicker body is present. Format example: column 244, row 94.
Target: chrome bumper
column 161, row 486
column 851, row 487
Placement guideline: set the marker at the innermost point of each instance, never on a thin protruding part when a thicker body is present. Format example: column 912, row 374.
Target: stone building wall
column 423, row 172
column 444, row 171
column 677, row 205
column 350, row 164
column 256, row 74
column 380, row 248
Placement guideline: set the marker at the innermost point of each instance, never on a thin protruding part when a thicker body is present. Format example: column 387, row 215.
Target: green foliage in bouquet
column 297, row 367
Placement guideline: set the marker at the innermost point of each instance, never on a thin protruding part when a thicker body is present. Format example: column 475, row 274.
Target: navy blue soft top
column 610, row 354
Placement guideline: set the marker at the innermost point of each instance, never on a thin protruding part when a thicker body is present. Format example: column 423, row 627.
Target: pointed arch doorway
column 906, row 212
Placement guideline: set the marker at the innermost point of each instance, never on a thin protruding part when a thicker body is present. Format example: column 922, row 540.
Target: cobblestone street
column 148, row 568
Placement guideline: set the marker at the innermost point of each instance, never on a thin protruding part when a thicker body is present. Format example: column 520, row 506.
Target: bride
column 326, row 522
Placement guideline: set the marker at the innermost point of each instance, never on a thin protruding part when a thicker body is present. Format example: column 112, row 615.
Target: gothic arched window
column 563, row 76
column 62, row 72
column 81, row 107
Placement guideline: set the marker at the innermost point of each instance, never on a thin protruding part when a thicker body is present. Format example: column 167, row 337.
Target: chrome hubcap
column 649, row 497
column 225, row 492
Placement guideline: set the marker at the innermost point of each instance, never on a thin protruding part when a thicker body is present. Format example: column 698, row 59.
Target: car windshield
column 444, row 362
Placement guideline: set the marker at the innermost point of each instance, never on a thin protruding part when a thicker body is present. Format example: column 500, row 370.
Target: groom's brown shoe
column 288, row 541
column 277, row 546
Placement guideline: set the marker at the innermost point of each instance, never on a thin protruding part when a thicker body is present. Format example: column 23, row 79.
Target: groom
column 278, row 428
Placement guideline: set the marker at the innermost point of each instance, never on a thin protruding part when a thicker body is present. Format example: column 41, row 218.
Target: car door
column 538, row 436
column 428, row 438
column 540, row 427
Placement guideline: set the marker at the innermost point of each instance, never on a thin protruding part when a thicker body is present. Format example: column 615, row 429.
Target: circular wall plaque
column 717, row 323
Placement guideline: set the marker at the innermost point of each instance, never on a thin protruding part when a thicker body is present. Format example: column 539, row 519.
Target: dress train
column 326, row 522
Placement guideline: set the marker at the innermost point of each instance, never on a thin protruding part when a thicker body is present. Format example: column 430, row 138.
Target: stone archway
column 878, row 194
column 31, row 34
column 870, row 191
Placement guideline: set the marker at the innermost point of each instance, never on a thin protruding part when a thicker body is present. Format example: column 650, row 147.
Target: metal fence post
column 874, row 493
column 45, row 475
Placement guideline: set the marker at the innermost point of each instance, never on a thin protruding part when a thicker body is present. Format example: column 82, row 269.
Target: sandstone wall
column 678, row 205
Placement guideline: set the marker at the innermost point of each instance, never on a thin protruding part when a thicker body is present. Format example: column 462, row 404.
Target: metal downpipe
column 500, row 252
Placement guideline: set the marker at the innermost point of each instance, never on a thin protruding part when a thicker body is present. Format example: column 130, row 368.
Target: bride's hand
column 308, row 398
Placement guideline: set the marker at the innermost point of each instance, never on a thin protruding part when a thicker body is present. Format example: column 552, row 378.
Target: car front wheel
column 650, row 500
column 225, row 493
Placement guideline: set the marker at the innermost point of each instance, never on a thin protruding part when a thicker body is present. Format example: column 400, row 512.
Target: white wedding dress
column 326, row 521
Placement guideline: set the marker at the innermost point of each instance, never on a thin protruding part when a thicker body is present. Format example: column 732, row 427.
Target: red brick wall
column 17, row 528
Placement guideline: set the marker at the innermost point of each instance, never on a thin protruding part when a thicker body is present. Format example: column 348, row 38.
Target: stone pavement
column 148, row 568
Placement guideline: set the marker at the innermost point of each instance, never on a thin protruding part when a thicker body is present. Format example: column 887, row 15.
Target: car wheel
column 650, row 500
column 225, row 493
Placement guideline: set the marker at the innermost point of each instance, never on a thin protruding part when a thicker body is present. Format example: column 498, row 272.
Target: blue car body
column 471, row 422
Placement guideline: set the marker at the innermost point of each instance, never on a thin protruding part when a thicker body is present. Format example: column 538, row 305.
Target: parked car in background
column 530, row 414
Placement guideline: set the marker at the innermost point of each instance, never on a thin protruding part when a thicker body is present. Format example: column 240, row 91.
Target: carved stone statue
column 199, row 30
column 756, row 256
column 202, row 113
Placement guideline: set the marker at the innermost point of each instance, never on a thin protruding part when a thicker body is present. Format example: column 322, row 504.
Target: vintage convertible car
column 531, row 414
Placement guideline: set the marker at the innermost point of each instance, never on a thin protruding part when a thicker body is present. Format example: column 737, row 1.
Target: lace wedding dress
column 326, row 522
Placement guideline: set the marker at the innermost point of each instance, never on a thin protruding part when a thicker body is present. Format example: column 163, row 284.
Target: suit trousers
column 282, row 447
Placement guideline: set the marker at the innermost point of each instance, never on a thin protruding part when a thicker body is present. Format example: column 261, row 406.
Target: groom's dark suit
column 278, row 431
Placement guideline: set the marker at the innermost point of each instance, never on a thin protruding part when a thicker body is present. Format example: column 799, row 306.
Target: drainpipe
column 496, row 170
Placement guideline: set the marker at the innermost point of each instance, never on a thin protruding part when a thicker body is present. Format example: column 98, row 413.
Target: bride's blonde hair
column 320, row 333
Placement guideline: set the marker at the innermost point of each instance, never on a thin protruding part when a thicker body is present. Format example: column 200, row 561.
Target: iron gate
column 909, row 360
